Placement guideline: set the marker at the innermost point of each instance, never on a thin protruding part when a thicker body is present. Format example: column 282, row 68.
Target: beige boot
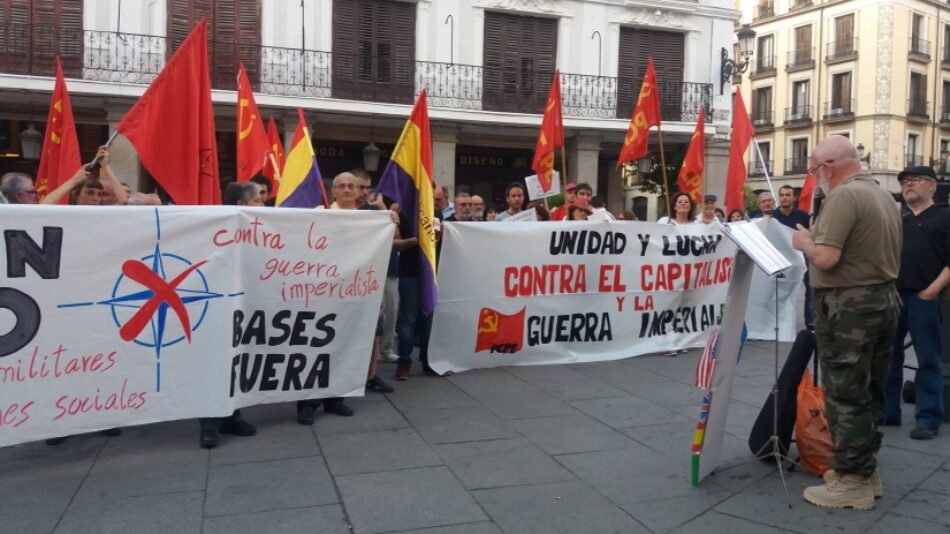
column 876, row 486
column 842, row 491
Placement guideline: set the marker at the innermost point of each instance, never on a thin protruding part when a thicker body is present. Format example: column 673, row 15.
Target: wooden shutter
column 520, row 55
column 374, row 50
column 234, row 35
column 15, row 36
column 666, row 48
column 56, row 27
column 802, row 45
column 844, row 34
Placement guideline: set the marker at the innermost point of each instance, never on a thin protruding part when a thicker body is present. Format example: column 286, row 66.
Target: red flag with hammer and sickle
column 550, row 136
column 274, row 168
column 498, row 332
column 645, row 115
column 253, row 147
column 690, row 179
column 60, row 158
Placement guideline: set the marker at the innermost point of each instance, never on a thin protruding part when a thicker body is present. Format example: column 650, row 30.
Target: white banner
column 117, row 316
column 760, row 314
column 542, row 293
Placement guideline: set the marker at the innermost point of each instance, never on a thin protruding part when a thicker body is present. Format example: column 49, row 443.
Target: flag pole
column 666, row 183
column 765, row 167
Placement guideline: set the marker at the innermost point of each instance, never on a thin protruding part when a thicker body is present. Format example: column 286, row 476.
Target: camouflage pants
column 854, row 329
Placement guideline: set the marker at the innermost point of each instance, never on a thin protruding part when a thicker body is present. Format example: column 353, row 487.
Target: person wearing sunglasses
column 853, row 250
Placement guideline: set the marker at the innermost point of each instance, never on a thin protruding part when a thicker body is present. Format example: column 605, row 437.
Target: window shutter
column 667, row 50
column 249, row 38
column 15, row 39
column 401, row 45
column 56, row 31
column 346, row 39
column 520, row 55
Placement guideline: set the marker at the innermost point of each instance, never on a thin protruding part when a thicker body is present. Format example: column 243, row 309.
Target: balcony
column 796, row 166
column 105, row 56
column 798, row 116
column 763, row 66
column 756, row 169
column 917, row 109
column 800, row 4
column 945, row 58
column 843, row 50
column 839, row 110
column 913, row 160
column 762, row 119
column 800, row 59
column 945, row 116
column 763, row 11
column 919, row 50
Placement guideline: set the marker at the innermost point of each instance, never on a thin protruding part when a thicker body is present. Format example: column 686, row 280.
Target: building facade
column 355, row 66
column 873, row 70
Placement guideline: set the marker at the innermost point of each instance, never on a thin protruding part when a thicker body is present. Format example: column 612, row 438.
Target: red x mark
column 164, row 292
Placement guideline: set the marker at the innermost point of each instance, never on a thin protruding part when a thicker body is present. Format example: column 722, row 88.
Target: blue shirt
column 794, row 218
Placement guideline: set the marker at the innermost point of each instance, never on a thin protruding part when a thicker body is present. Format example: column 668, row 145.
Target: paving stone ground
column 583, row 448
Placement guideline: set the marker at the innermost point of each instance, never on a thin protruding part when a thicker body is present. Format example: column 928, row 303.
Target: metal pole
column 451, row 19
column 118, row 18
column 600, row 47
column 303, row 48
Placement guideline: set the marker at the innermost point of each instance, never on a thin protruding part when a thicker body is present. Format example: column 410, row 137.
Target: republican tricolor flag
column 60, row 158
column 646, row 114
column 550, row 136
column 408, row 180
column 301, row 185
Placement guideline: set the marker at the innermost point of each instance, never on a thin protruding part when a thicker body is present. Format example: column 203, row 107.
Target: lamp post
column 729, row 67
column 600, row 47
column 371, row 154
column 864, row 158
column 31, row 142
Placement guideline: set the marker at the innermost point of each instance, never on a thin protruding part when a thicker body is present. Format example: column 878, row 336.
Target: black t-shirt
column 410, row 259
column 926, row 247
column 794, row 218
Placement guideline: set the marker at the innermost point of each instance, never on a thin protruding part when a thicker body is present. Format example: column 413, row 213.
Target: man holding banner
column 854, row 252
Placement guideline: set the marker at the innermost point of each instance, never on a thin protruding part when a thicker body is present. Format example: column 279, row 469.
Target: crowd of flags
column 172, row 129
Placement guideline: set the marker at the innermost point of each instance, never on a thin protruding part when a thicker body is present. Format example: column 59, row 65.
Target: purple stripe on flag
column 309, row 193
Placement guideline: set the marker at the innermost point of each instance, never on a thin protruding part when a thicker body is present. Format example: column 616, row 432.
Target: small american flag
column 704, row 367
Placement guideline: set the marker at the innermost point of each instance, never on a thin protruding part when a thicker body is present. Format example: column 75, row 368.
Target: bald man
column 854, row 253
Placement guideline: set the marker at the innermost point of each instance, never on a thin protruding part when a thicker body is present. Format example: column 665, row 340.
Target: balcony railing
column 762, row 118
column 913, row 160
column 798, row 115
column 796, row 166
column 804, row 57
column 764, row 10
column 764, row 65
column 945, row 115
column 842, row 49
column 137, row 59
column 839, row 110
column 799, row 4
column 918, row 108
column 757, row 169
column 919, row 49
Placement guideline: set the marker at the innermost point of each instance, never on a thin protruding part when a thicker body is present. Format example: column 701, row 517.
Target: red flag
column 808, row 191
column 645, row 115
column 253, row 147
column 741, row 135
column 550, row 136
column 276, row 156
column 60, row 158
column 690, row 179
column 498, row 332
column 172, row 125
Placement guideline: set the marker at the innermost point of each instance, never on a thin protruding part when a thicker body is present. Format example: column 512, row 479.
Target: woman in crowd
column 580, row 210
column 736, row 215
column 683, row 210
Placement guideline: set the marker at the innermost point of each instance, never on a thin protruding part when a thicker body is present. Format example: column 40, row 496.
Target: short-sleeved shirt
column 860, row 219
column 793, row 219
column 926, row 248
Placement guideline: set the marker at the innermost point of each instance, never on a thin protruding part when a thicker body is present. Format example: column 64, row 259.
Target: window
column 765, row 53
column 798, row 163
column 946, row 43
column 917, row 103
column 762, row 107
column 34, row 32
column 843, row 44
column 801, row 92
column 636, row 44
column 918, row 43
column 913, row 150
column 945, row 102
column 756, row 166
column 374, row 50
column 233, row 31
column 841, row 93
column 520, row 55
column 802, row 53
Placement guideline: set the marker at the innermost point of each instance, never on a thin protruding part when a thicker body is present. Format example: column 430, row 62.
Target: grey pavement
column 582, row 448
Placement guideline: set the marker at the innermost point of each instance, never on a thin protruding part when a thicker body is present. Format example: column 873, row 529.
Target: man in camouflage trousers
column 854, row 253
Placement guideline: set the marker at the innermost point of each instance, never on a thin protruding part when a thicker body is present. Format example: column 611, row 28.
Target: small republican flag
column 704, row 367
column 498, row 332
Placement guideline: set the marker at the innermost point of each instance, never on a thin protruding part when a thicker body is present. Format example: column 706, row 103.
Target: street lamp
column 862, row 157
column 31, row 142
column 730, row 68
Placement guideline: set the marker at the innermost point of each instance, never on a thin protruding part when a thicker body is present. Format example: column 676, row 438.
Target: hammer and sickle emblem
column 490, row 323
column 245, row 131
